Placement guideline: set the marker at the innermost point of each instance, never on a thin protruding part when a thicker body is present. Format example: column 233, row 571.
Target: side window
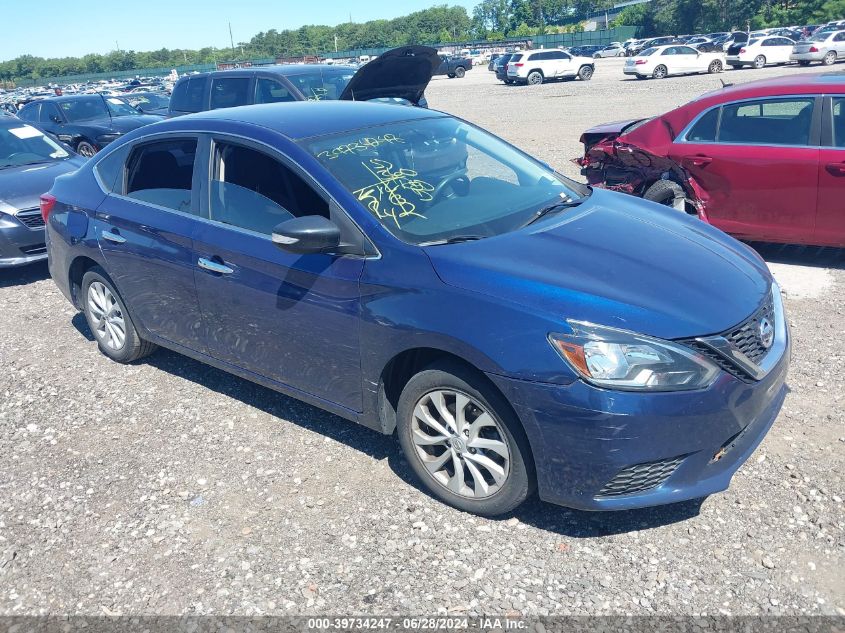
column 686, row 50
column 29, row 113
column 536, row 57
column 271, row 91
column 770, row 121
column 254, row 191
column 49, row 113
column 705, row 130
column 110, row 170
column 228, row 92
column 840, row 37
column 161, row 173
column 672, row 50
column 839, row 122
column 187, row 95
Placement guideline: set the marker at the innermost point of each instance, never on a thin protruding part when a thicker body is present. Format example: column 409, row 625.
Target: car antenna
column 725, row 84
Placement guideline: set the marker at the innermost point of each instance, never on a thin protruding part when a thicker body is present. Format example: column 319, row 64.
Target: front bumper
column 19, row 244
column 596, row 449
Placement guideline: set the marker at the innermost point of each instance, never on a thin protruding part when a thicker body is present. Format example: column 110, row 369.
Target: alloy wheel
column 106, row 315
column 460, row 444
column 829, row 59
column 660, row 72
column 85, row 149
column 759, row 62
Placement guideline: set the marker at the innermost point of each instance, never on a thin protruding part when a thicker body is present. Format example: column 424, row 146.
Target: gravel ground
column 168, row 487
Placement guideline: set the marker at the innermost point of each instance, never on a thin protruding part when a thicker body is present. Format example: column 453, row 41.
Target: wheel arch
column 80, row 265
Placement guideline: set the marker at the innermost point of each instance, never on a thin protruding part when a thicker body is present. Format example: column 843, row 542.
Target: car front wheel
column 86, row 149
column 109, row 319
column 463, row 440
column 714, row 67
column 585, row 73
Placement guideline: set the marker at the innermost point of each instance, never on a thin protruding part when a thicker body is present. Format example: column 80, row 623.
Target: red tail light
column 639, row 62
column 519, row 65
column 813, row 49
column 47, row 203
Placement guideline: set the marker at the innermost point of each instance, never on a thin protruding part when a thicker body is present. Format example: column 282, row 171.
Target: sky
column 58, row 28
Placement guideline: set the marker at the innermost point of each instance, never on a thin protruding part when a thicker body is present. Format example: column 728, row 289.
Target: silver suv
column 535, row 67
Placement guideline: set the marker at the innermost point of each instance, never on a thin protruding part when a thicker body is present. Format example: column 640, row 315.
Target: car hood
column 128, row 123
column 21, row 187
column 616, row 261
column 401, row 73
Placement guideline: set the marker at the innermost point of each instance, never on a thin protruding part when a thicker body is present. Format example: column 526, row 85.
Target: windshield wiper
column 456, row 239
column 556, row 206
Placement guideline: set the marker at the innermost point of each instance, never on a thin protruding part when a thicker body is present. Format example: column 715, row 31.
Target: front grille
column 31, row 218
column 746, row 339
column 35, row 249
column 640, row 477
column 719, row 360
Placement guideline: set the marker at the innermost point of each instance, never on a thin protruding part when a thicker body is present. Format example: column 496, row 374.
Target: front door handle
column 113, row 237
column 698, row 161
column 215, row 267
column 837, row 169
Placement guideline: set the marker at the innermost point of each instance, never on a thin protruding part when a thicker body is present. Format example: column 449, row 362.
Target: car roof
column 805, row 83
column 304, row 119
column 277, row 69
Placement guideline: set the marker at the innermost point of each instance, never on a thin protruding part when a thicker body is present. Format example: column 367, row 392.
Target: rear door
column 144, row 228
column 838, row 43
column 830, row 222
column 688, row 59
column 231, row 90
column 757, row 161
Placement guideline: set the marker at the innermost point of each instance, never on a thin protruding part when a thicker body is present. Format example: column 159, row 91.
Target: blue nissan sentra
column 411, row 272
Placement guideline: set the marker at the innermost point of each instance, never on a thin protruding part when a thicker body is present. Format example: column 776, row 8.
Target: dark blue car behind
column 408, row 271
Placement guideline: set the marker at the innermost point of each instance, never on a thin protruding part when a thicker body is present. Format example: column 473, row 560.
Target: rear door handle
column 215, row 267
column 113, row 237
column 837, row 169
column 698, row 161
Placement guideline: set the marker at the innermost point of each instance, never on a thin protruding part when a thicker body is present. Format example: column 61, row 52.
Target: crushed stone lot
column 169, row 487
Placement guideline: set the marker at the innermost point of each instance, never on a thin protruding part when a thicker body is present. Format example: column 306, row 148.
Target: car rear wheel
column 86, row 149
column 668, row 193
column 585, row 73
column 463, row 440
column 759, row 61
column 714, row 67
column 535, row 78
column 109, row 320
column 803, row 63
column 829, row 59
column 660, row 72
column 460, row 71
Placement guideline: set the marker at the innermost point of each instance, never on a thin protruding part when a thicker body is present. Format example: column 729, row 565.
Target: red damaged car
column 763, row 160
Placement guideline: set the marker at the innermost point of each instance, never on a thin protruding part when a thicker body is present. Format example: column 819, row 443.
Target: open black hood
column 400, row 73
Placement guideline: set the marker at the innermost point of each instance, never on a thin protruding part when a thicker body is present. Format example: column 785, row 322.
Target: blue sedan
column 408, row 271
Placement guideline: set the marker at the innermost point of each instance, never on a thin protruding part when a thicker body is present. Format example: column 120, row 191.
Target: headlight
column 629, row 361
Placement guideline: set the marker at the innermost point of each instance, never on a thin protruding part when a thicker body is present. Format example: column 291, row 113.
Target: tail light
column 518, row 65
column 47, row 203
column 639, row 62
column 813, row 49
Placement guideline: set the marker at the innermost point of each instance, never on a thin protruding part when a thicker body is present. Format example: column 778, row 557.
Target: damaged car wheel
column 667, row 192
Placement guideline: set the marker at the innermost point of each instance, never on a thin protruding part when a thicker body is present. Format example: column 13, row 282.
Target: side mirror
column 307, row 235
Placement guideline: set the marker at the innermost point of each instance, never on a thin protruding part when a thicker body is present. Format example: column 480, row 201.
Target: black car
column 148, row 102
column 588, row 50
column 85, row 122
column 401, row 74
column 501, row 67
column 29, row 163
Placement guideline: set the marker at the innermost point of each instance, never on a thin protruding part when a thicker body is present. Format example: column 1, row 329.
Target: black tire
column 641, row 76
column 829, row 59
column 666, row 192
column 660, row 72
column 460, row 71
column 585, row 73
column 520, row 481
column 451, row 75
column 134, row 347
column 759, row 62
column 714, row 67
column 86, row 149
column 535, row 78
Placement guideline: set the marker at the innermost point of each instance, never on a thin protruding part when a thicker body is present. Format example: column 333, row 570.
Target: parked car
column 760, row 52
column 149, row 102
column 87, row 123
column 614, row 49
column 454, row 66
column 501, row 67
column 587, row 50
column 678, row 59
column 535, row 67
column 312, row 248
column 825, row 47
column 748, row 159
column 400, row 74
column 491, row 65
column 654, row 42
column 29, row 162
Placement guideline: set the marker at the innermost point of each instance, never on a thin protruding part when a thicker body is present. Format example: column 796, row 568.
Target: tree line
column 490, row 19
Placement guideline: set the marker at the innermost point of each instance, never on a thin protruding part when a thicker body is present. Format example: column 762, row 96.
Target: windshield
column 435, row 179
column 26, row 145
column 95, row 107
column 323, row 83
column 148, row 102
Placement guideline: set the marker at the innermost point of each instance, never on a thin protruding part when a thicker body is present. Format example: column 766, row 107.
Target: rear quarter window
column 187, row 95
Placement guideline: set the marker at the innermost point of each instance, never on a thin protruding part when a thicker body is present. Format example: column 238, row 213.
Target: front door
column 830, row 222
column 757, row 161
column 290, row 318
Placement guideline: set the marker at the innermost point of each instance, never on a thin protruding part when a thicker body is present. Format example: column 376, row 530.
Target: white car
column 535, row 67
column 761, row 51
column 614, row 49
column 661, row 61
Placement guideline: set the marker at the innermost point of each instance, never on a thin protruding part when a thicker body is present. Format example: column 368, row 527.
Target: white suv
column 535, row 67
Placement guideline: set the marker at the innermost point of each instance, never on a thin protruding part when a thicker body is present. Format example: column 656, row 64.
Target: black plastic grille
column 35, row 249
column 746, row 338
column 31, row 218
column 640, row 477
column 719, row 360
